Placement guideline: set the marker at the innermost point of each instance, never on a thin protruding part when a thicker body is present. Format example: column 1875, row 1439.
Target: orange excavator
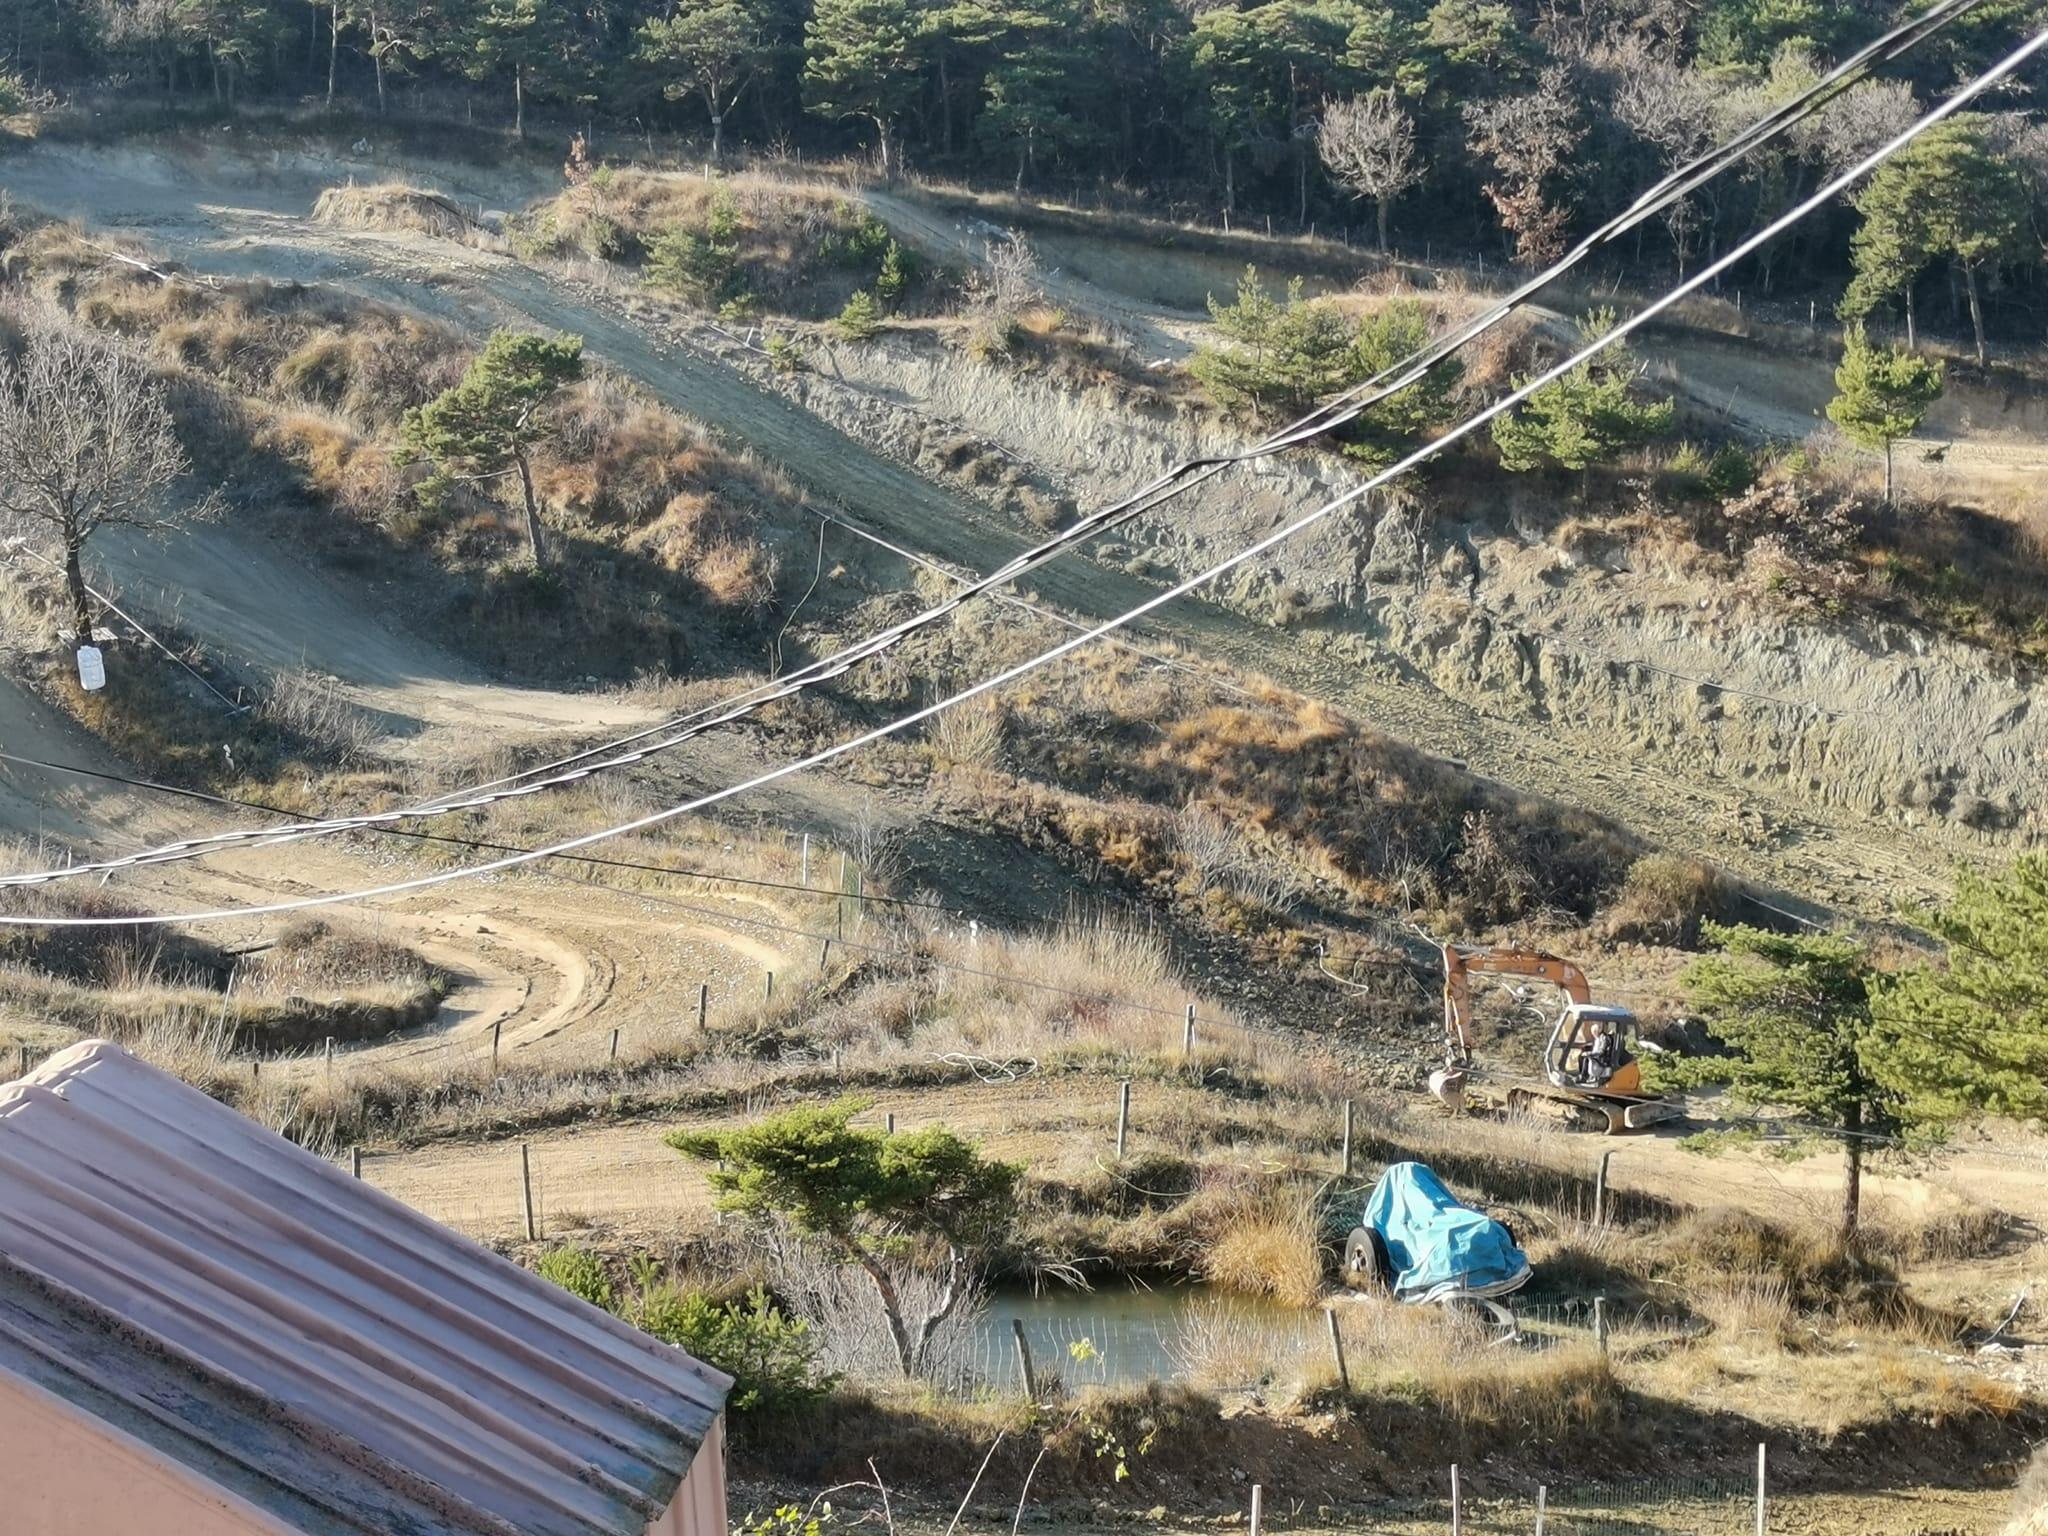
column 1588, row 1063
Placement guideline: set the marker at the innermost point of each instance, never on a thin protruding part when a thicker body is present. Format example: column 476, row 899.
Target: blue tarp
column 1438, row 1247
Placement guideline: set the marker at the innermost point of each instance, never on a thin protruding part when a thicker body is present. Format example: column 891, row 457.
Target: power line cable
column 1591, row 349
column 1173, row 482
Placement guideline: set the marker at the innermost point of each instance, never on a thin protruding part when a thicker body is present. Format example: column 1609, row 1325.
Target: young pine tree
column 1882, row 394
column 1794, row 1011
column 872, row 1198
column 861, row 60
column 1278, row 355
column 1584, row 418
column 490, row 422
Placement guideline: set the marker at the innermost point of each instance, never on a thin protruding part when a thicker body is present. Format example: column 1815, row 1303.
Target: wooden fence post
column 703, row 1006
column 1123, row 1115
column 1600, row 1191
column 496, row 1029
column 615, row 1046
column 526, row 1191
column 1349, row 1112
column 1187, row 1033
column 355, row 1162
column 21, row 1054
column 1600, row 1322
column 824, row 955
column 1337, row 1350
column 768, row 992
column 1024, row 1358
column 807, row 861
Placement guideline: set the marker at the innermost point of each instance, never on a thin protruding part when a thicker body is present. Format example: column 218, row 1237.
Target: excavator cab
column 1589, row 1048
column 1589, row 1063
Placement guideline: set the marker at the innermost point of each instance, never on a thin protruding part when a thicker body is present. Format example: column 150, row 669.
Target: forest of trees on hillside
column 1490, row 126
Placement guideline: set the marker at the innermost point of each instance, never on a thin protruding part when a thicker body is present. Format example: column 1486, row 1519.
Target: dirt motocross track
column 221, row 211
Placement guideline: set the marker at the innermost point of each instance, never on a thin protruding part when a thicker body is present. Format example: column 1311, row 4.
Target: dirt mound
column 393, row 205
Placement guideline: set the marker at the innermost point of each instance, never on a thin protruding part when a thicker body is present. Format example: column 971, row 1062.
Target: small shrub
column 771, row 1358
column 861, row 320
column 579, row 1272
column 701, row 265
column 785, row 353
column 1664, row 899
column 898, row 270
column 318, row 369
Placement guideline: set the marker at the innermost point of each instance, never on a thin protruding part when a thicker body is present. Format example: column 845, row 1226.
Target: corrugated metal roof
column 294, row 1334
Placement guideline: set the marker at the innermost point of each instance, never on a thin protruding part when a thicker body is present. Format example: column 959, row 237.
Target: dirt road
column 220, row 213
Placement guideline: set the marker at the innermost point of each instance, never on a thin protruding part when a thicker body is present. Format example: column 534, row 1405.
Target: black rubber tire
column 1365, row 1258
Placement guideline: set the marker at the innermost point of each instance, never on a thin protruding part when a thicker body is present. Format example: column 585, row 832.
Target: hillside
column 1200, row 871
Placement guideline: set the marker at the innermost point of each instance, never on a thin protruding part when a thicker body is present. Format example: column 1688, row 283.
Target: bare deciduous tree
column 1868, row 114
column 86, row 442
column 1673, row 109
column 1530, row 140
column 1368, row 143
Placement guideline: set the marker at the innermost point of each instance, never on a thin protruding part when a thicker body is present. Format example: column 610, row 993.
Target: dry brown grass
column 1265, row 1243
column 393, row 205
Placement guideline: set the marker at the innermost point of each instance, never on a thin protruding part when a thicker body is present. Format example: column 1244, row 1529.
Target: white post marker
column 92, row 668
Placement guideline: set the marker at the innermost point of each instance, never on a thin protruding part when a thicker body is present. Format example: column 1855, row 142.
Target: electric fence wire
column 1173, row 482
column 1968, row 92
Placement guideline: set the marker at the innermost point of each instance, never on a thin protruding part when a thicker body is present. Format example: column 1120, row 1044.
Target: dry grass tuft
column 395, row 206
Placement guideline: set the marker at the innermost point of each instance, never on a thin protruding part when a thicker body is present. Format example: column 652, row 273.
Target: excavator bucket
column 1447, row 1085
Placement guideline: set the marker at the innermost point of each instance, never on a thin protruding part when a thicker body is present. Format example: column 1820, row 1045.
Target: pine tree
column 489, row 423
column 710, row 49
column 1882, row 395
column 1584, row 418
column 1282, row 355
column 1794, row 1010
column 1949, row 194
column 1392, row 426
column 861, row 60
column 869, row 1197
column 1030, row 91
column 1970, row 1036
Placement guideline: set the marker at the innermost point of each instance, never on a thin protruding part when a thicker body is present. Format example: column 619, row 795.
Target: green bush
column 861, row 320
column 579, row 1272
column 898, row 271
column 771, row 1358
column 703, row 265
column 867, row 241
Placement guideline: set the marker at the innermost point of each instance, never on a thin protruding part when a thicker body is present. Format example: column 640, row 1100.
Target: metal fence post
column 1542, row 1499
column 496, row 1029
column 1337, row 1350
column 703, row 1006
column 1123, row 1115
column 1258, row 1508
column 1349, row 1110
column 1187, row 1033
column 1457, row 1505
column 1762, row 1468
column 615, row 1046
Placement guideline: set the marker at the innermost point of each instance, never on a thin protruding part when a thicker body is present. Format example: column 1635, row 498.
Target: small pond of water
column 1118, row 1335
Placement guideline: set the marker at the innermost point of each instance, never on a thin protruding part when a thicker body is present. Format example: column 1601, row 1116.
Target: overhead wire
column 1427, row 451
column 1170, row 483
